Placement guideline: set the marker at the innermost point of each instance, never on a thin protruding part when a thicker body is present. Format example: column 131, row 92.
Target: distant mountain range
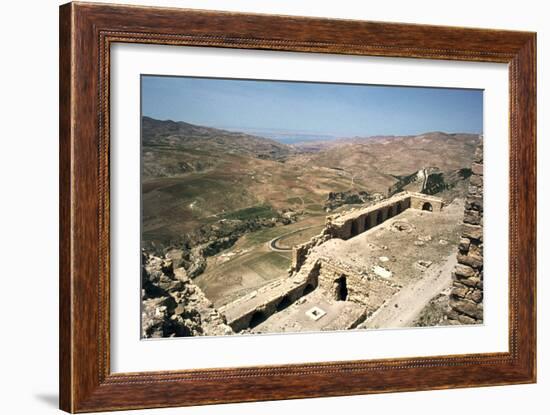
column 178, row 133
column 414, row 140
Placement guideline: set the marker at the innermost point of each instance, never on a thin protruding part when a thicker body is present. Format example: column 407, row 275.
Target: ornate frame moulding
column 86, row 33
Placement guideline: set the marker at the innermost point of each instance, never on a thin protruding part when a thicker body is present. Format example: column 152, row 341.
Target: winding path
column 272, row 244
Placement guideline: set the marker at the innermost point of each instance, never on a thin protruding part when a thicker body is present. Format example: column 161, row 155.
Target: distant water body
column 284, row 136
column 297, row 138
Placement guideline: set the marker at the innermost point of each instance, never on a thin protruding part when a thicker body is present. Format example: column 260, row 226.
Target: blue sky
column 337, row 109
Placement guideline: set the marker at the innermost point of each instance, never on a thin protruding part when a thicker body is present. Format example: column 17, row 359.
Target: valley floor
column 252, row 263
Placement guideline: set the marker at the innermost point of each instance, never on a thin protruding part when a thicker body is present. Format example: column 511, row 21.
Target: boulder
column 177, row 256
column 463, row 271
column 467, row 307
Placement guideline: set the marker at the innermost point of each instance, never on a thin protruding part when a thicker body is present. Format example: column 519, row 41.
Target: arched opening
column 427, row 206
column 257, row 318
column 309, row 289
column 341, row 293
column 367, row 222
column 284, row 303
column 398, row 208
column 379, row 217
column 354, row 229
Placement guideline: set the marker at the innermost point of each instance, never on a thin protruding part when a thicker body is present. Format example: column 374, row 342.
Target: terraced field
column 250, row 263
column 238, row 188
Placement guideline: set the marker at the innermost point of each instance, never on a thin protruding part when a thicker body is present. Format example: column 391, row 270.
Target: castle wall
column 338, row 281
column 265, row 301
column 352, row 224
column 368, row 290
column 301, row 252
column 418, row 201
column 357, row 222
column 466, row 299
column 329, row 277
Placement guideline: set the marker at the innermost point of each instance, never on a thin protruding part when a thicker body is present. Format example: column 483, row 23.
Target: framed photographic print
column 260, row 207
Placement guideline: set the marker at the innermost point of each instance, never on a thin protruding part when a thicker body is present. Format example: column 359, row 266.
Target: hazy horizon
column 286, row 136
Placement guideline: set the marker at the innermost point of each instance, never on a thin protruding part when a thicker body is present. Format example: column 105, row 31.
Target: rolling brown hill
column 163, row 141
column 194, row 175
column 375, row 162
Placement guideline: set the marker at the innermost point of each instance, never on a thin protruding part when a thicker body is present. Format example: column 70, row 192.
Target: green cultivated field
column 267, row 264
column 254, row 212
column 250, row 263
column 299, row 237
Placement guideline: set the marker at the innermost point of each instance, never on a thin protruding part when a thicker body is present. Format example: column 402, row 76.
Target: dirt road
column 404, row 307
column 272, row 244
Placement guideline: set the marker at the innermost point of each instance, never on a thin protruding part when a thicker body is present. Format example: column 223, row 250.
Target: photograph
column 276, row 206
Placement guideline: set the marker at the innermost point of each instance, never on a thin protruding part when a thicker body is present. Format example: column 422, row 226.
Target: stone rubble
column 172, row 305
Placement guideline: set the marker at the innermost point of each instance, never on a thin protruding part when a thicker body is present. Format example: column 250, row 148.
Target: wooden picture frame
column 86, row 33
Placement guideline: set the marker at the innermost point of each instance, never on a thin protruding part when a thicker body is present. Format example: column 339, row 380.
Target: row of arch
column 362, row 224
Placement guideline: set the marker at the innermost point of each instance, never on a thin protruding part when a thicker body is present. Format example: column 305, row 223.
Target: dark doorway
column 257, row 318
column 399, row 207
column 309, row 288
column 427, row 206
column 354, row 229
column 379, row 217
column 284, row 303
column 367, row 222
column 341, row 289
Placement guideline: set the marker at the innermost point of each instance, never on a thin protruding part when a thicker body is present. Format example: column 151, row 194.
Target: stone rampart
column 254, row 308
column 351, row 224
column 466, row 299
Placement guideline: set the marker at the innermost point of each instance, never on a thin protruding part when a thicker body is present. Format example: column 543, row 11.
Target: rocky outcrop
column 415, row 182
column 172, row 305
column 432, row 181
column 435, row 313
column 466, row 299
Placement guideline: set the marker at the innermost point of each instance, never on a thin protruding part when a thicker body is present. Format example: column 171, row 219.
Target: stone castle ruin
column 352, row 224
column 322, row 267
column 373, row 266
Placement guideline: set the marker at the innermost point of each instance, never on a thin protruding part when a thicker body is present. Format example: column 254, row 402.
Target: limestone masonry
column 340, row 266
column 352, row 224
column 467, row 293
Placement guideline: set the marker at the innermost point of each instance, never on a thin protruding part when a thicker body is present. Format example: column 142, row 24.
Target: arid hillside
column 196, row 180
column 163, row 142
